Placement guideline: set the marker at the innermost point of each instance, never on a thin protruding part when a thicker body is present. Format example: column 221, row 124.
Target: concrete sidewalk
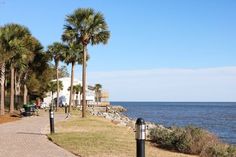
column 27, row 138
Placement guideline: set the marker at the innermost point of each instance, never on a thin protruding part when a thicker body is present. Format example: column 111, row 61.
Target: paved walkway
column 27, row 138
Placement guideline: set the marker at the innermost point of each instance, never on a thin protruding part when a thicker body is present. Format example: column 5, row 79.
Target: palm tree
column 85, row 26
column 77, row 89
column 35, row 47
column 59, row 87
column 55, row 52
column 97, row 92
column 13, row 35
column 18, row 59
column 22, row 63
column 72, row 55
column 3, row 57
column 2, row 108
column 52, row 87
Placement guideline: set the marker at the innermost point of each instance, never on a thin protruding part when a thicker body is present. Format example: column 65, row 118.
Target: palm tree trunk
column 12, row 90
column 2, row 111
column 97, row 97
column 71, row 85
column 25, row 89
column 77, row 99
column 56, row 63
column 17, row 82
column 25, row 94
column 84, row 82
column 73, row 100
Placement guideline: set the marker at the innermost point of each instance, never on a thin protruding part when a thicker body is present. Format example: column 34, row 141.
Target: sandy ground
column 7, row 118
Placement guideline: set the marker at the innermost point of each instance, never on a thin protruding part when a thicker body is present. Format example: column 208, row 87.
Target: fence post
column 140, row 128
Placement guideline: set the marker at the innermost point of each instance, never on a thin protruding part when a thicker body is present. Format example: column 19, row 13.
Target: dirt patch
column 8, row 118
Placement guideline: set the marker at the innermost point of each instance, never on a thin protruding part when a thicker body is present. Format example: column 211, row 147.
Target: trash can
column 29, row 109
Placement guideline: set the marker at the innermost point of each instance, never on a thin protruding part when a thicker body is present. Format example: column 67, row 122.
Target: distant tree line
column 25, row 68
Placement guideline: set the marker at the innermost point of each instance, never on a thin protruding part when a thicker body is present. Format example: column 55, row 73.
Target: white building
column 90, row 94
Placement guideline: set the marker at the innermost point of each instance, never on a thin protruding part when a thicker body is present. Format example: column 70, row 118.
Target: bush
column 218, row 150
column 163, row 137
column 193, row 140
column 231, row 151
column 189, row 140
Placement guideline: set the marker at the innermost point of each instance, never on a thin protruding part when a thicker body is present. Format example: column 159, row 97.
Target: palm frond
column 55, row 51
column 101, row 37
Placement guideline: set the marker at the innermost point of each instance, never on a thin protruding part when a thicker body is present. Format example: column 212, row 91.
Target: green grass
column 91, row 135
column 98, row 137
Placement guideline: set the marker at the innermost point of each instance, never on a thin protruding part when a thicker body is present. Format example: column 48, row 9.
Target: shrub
column 218, row 150
column 189, row 140
column 232, row 151
column 163, row 137
column 193, row 140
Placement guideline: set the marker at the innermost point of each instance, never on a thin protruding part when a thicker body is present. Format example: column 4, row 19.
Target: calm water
column 219, row 118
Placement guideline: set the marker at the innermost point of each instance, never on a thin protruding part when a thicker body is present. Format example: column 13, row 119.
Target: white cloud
column 207, row 84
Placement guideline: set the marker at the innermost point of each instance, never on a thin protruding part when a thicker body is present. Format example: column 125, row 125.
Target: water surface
column 217, row 117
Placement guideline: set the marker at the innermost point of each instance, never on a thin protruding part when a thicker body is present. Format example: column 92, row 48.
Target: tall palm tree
column 13, row 35
column 2, row 108
column 2, row 73
column 22, row 63
column 72, row 56
column 97, row 92
column 35, row 47
column 55, row 52
column 3, row 57
column 20, row 53
column 85, row 26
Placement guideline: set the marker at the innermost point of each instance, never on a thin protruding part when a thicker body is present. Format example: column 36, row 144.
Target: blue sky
column 149, row 35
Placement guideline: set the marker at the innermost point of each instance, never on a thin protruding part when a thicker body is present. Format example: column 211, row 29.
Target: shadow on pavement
column 30, row 133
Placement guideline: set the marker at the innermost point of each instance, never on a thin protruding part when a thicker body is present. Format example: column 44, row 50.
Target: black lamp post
column 140, row 128
column 51, row 118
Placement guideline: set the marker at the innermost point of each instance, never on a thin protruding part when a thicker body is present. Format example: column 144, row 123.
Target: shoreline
column 205, row 142
column 115, row 114
column 216, row 118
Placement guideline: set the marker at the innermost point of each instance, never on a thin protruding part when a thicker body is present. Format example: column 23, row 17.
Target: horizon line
column 177, row 101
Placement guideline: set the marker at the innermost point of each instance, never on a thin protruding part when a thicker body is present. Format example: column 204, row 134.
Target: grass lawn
column 98, row 137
